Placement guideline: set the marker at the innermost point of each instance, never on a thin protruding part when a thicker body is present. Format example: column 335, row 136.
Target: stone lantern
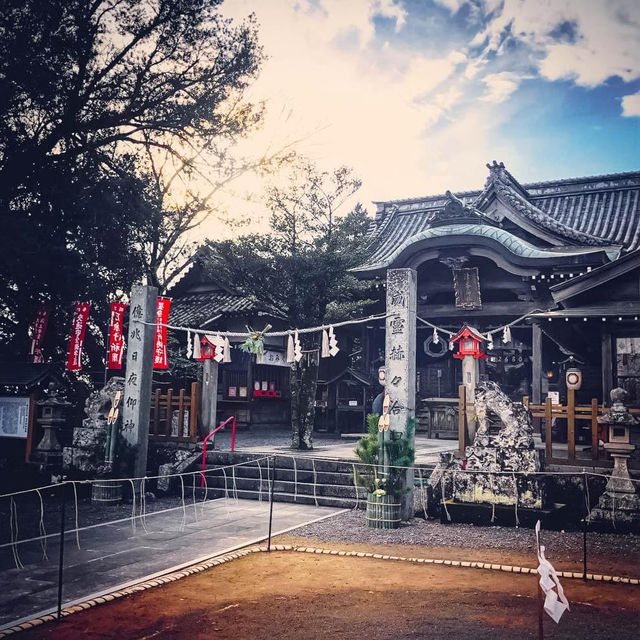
column 52, row 415
column 620, row 503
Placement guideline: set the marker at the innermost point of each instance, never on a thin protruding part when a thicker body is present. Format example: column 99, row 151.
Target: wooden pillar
column 138, row 374
column 536, row 365
column 400, row 359
column 209, row 397
column 607, row 367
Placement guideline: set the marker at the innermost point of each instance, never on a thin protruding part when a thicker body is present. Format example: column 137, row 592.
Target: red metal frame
column 222, row 425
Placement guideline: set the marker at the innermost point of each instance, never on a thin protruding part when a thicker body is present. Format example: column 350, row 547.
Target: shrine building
column 560, row 260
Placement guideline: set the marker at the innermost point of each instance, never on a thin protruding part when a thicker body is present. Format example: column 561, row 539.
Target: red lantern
column 207, row 350
column 468, row 341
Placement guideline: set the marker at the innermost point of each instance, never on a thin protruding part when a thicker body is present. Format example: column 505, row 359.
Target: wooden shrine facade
column 560, row 260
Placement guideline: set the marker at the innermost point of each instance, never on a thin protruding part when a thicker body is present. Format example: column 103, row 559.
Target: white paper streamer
column 324, row 353
column 227, row 351
column 297, row 347
column 290, row 350
column 333, row 342
column 189, row 345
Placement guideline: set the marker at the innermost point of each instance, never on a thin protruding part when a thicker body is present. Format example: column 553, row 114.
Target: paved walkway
column 324, row 446
column 111, row 555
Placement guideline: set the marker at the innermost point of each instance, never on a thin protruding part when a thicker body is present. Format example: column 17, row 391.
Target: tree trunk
column 303, row 382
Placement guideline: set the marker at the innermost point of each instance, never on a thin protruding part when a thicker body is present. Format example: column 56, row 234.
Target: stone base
column 617, row 511
column 499, row 489
column 501, row 515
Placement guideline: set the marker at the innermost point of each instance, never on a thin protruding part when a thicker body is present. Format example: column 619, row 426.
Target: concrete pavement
column 112, row 555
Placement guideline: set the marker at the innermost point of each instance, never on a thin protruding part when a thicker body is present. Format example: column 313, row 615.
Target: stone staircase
column 300, row 479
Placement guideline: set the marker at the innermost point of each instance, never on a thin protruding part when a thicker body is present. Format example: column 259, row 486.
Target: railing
column 546, row 413
column 174, row 417
column 574, row 414
column 222, row 425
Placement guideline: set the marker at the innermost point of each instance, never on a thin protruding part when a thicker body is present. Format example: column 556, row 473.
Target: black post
column 63, row 507
column 273, row 479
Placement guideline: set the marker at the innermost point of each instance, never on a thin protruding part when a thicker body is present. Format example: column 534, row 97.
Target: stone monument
column 88, row 451
column 503, row 443
column 400, row 361
column 619, row 505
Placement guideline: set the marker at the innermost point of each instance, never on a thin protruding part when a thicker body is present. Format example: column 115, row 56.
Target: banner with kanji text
column 160, row 358
column 36, row 332
column 116, row 336
column 78, row 329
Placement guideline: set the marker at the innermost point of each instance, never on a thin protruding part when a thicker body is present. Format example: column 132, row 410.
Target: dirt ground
column 293, row 595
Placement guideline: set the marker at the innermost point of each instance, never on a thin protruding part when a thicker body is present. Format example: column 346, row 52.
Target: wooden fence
column 576, row 416
column 174, row 416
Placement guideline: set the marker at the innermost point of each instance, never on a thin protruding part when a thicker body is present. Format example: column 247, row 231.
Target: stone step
column 280, row 496
column 301, row 475
column 286, row 486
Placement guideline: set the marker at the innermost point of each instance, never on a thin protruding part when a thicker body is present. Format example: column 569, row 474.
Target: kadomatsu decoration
column 255, row 341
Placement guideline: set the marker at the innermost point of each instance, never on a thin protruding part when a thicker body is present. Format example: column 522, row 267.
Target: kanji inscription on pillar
column 137, row 390
column 401, row 345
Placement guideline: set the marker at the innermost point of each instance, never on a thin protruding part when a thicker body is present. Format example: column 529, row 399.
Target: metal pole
column 273, row 478
column 540, row 612
column 584, row 529
column 63, row 503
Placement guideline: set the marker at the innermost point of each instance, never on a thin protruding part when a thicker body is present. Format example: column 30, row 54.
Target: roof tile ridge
column 538, row 216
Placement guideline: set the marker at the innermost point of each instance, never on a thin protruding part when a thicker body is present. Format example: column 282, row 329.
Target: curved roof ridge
column 538, row 216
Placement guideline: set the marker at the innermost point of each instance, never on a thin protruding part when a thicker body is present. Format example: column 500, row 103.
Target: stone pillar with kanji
column 139, row 372
column 400, row 360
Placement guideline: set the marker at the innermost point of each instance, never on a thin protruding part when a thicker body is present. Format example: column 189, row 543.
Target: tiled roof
column 599, row 210
column 193, row 310
column 25, row 374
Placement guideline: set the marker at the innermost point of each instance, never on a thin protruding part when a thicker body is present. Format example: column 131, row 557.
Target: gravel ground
column 351, row 528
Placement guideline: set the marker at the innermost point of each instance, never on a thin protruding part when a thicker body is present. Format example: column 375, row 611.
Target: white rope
column 193, row 498
column 41, row 527
column 587, row 498
column 260, row 486
column 226, row 488
column 515, row 484
column 295, row 480
column 143, row 504
column 75, row 500
column 133, row 508
column 422, row 493
column 206, row 491
column 235, row 486
column 184, row 506
column 274, row 334
column 315, row 480
column 444, row 501
column 493, row 504
column 355, row 486
column 13, row 523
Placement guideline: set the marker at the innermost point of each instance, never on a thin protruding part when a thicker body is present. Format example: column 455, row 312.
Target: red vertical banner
column 116, row 336
column 78, row 329
column 160, row 358
column 37, row 331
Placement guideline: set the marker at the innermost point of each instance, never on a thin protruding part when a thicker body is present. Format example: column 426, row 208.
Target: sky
column 418, row 95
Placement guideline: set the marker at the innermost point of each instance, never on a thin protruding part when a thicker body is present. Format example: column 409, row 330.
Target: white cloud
column 500, row 86
column 631, row 105
column 601, row 38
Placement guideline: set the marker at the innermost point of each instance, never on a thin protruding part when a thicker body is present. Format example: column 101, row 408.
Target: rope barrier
column 295, row 479
column 75, row 500
column 42, row 529
column 315, row 480
column 13, row 523
column 444, row 501
column 133, row 507
column 184, row 507
column 260, row 485
column 193, row 498
column 355, row 486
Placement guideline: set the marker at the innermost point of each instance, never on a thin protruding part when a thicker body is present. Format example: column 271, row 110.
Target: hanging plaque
column 466, row 283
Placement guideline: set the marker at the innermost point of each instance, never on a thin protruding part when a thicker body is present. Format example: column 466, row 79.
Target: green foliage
column 399, row 453
column 299, row 268
column 89, row 92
